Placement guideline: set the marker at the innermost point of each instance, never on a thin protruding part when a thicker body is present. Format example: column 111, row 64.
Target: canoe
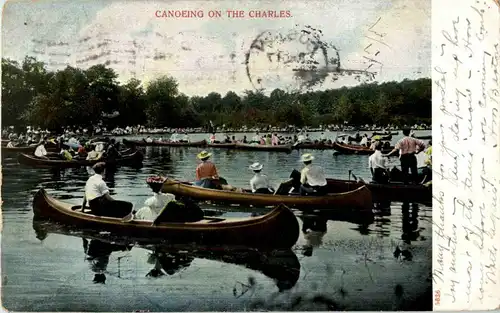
column 222, row 145
column 134, row 158
column 281, row 265
column 280, row 148
column 142, row 142
column 277, row 229
column 388, row 192
column 423, row 137
column 26, row 149
column 359, row 199
column 314, row 146
column 355, row 149
column 385, row 133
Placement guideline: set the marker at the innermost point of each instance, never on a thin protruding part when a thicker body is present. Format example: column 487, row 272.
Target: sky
column 216, row 54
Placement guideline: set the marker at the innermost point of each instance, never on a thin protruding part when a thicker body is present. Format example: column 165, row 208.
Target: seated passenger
column 259, row 182
column 206, row 172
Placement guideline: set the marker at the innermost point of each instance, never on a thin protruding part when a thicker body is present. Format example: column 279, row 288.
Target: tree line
column 33, row 95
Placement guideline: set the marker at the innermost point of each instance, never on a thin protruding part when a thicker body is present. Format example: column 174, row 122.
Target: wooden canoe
column 385, row 133
column 280, row 148
column 356, row 149
column 281, row 265
column 277, row 229
column 15, row 150
column 222, row 145
column 423, row 137
column 358, row 199
column 134, row 158
column 144, row 143
column 314, row 146
column 387, row 192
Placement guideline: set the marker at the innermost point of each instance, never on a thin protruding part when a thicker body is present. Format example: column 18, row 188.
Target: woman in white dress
column 155, row 204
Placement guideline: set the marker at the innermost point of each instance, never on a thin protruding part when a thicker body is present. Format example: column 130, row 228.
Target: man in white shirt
column 174, row 137
column 256, row 138
column 378, row 165
column 98, row 198
column 364, row 140
column 301, row 137
column 40, row 151
column 259, row 182
column 312, row 178
column 185, row 138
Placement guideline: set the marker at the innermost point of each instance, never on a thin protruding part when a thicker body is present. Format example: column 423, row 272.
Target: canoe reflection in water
column 280, row 265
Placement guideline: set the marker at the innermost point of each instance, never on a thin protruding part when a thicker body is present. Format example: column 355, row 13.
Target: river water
column 335, row 265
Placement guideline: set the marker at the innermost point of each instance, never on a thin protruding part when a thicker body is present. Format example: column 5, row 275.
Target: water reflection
column 280, row 265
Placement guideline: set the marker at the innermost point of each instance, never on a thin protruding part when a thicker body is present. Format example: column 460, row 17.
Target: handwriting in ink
column 482, row 30
column 483, row 80
column 466, row 208
column 481, row 283
column 441, row 85
column 455, row 127
column 491, row 272
column 469, row 281
column 447, row 36
column 457, row 65
column 467, row 182
column 470, row 126
column 467, row 41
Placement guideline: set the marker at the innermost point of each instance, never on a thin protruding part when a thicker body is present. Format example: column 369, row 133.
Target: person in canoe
column 11, row 144
column 153, row 205
column 185, row 138
column 244, row 139
column 275, row 140
column 375, row 141
column 98, row 198
column 256, row 138
column 40, row 151
column 112, row 152
column 364, row 140
column 259, row 182
column 149, row 139
column 408, row 147
column 66, row 154
column 312, row 177
column 206, row 172
column 378, row 165
column 212, row 138
column 92, row 154
column 174, row 137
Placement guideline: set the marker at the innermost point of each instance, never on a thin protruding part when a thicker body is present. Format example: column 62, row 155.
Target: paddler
column 312, row 177
column 408, row 147
column 98, row 198
column 378, row 165
column 206, row 172
column 259, row 182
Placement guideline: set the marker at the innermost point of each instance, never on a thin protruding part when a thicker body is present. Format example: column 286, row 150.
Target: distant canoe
column 15, row 150
column 277, row 229
column 222, row 145
column 423, row 137
column 134, row 158
column 388, row 192
column 359, row 199
column 313, row 146
column 356, row 149
column 385, row 133
column 280, row 148
column 144, row 143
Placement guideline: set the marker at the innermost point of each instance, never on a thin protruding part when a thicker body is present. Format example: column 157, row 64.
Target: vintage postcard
column 249, row 156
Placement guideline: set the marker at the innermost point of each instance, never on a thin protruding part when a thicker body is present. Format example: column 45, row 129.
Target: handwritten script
column 466, row 98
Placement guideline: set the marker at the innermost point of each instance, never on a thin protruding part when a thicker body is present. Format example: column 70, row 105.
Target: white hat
column 307, row 157
column 256, row 166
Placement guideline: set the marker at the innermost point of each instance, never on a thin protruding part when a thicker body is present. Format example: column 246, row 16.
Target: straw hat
column 256, row 166
column 307, row 157
column 376, row 138
column 204, row 155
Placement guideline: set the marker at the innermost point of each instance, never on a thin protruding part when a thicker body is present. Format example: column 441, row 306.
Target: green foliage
column 31, row 95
